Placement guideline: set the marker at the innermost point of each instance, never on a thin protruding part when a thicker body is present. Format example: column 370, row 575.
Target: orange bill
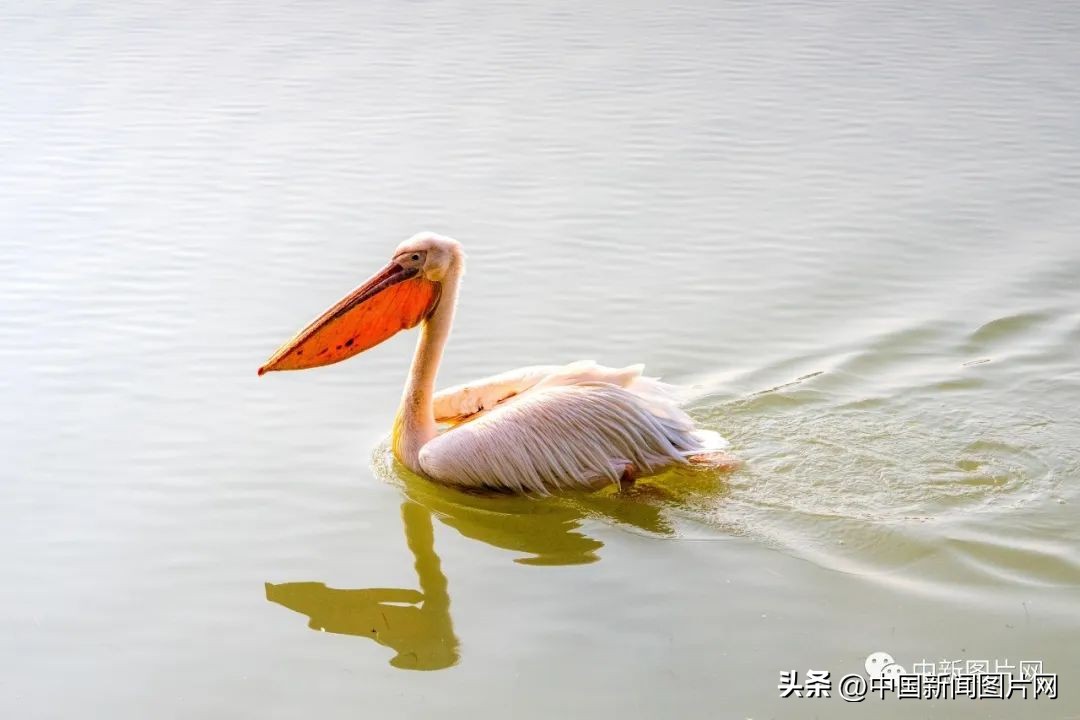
column 394, row 300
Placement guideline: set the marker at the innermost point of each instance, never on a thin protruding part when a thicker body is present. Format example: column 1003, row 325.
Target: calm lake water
column 852, row 229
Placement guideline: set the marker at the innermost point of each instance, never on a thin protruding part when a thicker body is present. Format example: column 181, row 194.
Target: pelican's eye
column 415, row 257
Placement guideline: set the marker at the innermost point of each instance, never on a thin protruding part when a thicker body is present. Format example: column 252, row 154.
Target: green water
column 850, row 230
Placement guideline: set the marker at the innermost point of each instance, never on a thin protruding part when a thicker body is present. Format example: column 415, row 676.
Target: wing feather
column 462, row 401
column 563, row 436
column 465, row 400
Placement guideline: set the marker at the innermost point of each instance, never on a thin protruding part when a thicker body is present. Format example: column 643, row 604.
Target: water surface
column 849, row 229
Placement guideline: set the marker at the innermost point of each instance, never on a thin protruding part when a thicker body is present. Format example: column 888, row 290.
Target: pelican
column 537, row 429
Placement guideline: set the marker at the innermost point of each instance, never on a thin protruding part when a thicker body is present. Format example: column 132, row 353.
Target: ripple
column 870, row 464
column 1006, row 329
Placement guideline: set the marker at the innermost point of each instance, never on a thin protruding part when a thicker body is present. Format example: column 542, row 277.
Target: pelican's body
column 535, row 429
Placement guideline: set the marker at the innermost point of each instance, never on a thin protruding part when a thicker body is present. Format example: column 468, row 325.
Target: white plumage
column 575, row 427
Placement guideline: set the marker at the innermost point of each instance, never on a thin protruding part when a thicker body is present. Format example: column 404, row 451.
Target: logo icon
column 882, row 665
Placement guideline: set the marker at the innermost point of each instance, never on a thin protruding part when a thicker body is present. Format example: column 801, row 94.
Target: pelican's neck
column 415, row 422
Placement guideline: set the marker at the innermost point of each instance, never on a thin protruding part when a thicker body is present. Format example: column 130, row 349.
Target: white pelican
column 535, row 429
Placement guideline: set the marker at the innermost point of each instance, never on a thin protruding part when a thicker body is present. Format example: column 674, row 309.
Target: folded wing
column 463, row 401
column 567, row 430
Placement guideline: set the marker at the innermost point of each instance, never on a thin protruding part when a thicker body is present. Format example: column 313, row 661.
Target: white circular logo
column 891, row 672
column 877, row 662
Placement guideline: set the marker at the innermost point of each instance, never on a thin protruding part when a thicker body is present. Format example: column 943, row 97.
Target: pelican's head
column 434, row 255
column 398, row 297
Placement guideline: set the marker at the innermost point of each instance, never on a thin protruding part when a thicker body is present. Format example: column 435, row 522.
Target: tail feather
column 711, row 441
column 706, row 448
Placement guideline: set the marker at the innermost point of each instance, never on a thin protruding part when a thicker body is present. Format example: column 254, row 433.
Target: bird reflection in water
column 417, row 624
column 414, row 623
